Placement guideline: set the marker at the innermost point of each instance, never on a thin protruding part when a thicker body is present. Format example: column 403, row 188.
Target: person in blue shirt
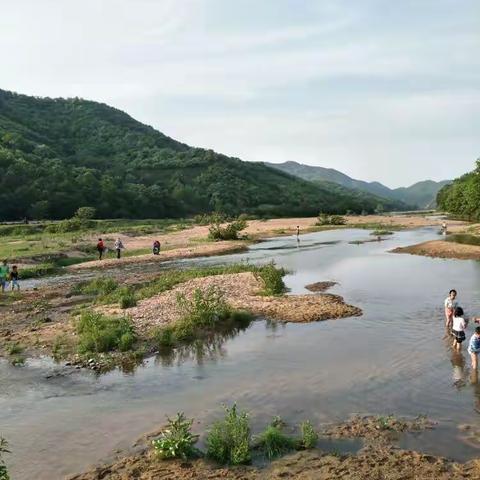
column 474, row 347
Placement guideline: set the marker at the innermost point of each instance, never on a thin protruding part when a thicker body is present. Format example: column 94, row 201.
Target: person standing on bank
column 100, row 248
column 118, row 247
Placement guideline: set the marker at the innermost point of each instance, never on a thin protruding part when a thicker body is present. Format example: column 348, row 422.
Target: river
column 393, row 359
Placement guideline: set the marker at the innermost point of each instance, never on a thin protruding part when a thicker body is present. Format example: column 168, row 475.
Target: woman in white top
column 459, row 325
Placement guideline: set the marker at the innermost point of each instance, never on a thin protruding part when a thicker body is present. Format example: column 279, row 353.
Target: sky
column 379, row 89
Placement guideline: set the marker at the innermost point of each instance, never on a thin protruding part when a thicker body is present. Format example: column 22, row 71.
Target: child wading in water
column 474, row 347
column 459, row 324
column 450, row 305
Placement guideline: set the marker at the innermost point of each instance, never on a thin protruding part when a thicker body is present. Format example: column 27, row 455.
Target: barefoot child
column 459, row 324
column 450, row 305
column 474, row 347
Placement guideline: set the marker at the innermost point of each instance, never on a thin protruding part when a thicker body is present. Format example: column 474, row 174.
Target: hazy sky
column 384, row 90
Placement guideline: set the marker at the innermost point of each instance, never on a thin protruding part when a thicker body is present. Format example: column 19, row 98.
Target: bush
column 324, row 219
column 164, row 337
column 85, row 213
column 228, row 441
column 177, row 440
column 3, row 468
column 272, row 278
column 229, row 231
column 127, row 299
column 274, row 443
column 98, row 333
column 204, row 308
column 309, row 437
column 98, row 286
column 15, row 349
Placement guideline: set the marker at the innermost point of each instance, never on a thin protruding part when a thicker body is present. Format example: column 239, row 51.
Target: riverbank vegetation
column 3, row 468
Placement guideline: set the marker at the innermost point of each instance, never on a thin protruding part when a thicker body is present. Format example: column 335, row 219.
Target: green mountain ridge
column 420, row 195
column 57, row 155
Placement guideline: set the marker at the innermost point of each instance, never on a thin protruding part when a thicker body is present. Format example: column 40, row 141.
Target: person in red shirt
column 100, row 248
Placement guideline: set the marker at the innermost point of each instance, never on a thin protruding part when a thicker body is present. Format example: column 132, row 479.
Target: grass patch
column 272, row 278
column 99, row 334
column 464, row 238
column 177, row 439
column 380, row 233
column 15, row 349
column 228, row 441
column 273, row 443
column 99, row 286
column 3, row 468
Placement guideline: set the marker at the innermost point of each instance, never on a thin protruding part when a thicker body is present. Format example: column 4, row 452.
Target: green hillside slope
column 57, row 155
column 420, row 195
column 462, row 197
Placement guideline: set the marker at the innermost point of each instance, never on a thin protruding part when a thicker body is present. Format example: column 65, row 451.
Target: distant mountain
column 420, row 195
column 57, row 155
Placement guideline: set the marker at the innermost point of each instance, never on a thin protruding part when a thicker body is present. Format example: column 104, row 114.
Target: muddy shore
column 379, row 459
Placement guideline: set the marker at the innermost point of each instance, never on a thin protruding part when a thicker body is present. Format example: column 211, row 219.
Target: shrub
column 127, row 299
column 204, row 308
column 97, row 286
column 3, row 468
column 325, row 219
column 379, row 233
column 228, row 441
column 177, row 440
column 272, row 278
column 164, row 337
column 85, row 213
column 309, row 437
column 274, row 443
column 230, row 231
column 99, row 333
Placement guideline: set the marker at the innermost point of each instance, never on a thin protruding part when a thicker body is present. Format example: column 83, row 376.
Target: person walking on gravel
column 118, row 247
column 100, row 248
column 4, row 275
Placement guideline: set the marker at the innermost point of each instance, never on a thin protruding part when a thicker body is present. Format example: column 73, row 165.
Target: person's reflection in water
column 476, row 388
column 459, row 372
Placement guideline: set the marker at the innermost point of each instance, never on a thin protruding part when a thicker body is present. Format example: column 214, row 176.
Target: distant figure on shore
column 14, row 278
column 444, row 228
column 474, row 347
column 459, row 325
column 118, row 247
column 298, row 231
column 156, row 247
column 450, row 305
column 4, row 273
column 100, row 248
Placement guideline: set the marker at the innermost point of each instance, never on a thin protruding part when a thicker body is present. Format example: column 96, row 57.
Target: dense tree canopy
column 462, row 197
column 57, row 155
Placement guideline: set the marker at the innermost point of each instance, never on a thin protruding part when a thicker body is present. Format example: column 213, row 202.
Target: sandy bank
column 442, row 249
column 241, row 290
column 205, row 250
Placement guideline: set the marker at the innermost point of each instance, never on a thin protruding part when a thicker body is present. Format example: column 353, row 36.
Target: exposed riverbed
column 393, row 359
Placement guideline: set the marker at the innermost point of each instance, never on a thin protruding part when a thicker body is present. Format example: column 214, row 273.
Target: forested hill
column 420, row 195
column 57, row 155
column 462, row 197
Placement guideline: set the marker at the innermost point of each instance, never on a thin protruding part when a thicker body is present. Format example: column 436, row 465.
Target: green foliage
column 126, row 298
column 273, row 443
column 464, row 238
column 272, row 278
column 228, row 441
column 325, row 219
column 3, row 468
column 381, row 233
column 15, row 348
column 59, row 155
column 309, row 436
column 229, row 231
column 98, row 286
column 85, row 213
column 204, row 308
column 462, row 197
column 99, row 333
column 177, row 440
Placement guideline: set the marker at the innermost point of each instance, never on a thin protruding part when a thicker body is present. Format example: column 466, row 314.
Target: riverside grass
column 107, row 290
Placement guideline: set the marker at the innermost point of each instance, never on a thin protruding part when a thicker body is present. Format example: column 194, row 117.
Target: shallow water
column 393, row 359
